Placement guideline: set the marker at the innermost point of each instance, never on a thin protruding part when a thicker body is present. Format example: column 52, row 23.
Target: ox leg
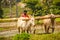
column 23, row 30
column 34, row 28
column 46, row 29
column 52, row 30
column 19, row 29
column 28, row 30
column 53, row 23
column 34, row 31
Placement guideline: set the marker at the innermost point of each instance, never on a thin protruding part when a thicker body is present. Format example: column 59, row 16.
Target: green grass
column 57, row 19
column 3, row 29
column 6, row 28
column 45, row 37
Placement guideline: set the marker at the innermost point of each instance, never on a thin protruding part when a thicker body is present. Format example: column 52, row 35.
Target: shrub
column 23, row 36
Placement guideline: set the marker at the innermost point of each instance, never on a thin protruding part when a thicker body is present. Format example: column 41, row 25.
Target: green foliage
column 34, row 5
column 8, row 7
column 23, row 36
column 57, row 8
column 1, row 13
column 7, row 3
column 40, row 8
column 31, row 4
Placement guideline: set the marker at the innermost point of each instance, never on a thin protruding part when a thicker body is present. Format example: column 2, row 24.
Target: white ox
column 49, row 23
column 25, row 25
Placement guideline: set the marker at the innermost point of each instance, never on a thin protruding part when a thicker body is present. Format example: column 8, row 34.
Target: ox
column 25, row 25
column 49, row 23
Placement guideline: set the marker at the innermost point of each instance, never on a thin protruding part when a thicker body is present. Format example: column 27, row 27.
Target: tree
column 1, row 11
column 44, row 6
column 57, row 8
column 34, row 5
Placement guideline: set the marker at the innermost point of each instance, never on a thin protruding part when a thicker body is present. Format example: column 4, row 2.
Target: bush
column 23, row 36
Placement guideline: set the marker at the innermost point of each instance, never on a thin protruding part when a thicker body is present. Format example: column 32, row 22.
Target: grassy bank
column 55, row 36
column 46, row 37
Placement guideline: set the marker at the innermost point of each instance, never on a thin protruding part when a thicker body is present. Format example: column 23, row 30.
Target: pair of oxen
column 28, row 25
